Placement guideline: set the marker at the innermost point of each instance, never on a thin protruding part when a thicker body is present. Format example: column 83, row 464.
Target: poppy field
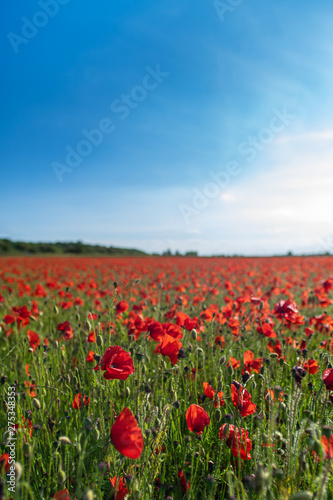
column 166, row 378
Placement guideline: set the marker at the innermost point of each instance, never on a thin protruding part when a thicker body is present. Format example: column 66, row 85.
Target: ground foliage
column 164, row 378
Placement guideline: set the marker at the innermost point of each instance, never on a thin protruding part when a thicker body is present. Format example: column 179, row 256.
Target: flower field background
column 167, row 378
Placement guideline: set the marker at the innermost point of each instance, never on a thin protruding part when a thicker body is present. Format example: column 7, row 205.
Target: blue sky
column 246, row 90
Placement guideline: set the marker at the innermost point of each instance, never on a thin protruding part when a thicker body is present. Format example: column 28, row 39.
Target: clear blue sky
column 181, row 88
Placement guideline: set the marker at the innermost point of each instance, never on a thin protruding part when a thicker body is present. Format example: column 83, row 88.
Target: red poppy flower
column 328, row 447
column 210, row 393
column 170, row 347
column 311, row 366
column 62, row 495
column 241, row 398
column 252, row 364
column 120, row 487
column 122, row 306
column 117, row 364
column 197, row 419
column 328, row 379
column 77, row 403
column 90, row 357
column 126, row 436
column 237, row 440
column 233, row 362
column 91, row 337
column 185, row 485
column 33, row 339
column 156, row 331
column 66, row 329
column 4, row 462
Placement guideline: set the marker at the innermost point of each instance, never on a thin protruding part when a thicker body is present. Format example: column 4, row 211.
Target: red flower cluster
column 241, row 398
column 237, row 440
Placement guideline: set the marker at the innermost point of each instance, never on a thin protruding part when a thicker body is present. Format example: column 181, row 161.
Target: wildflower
column 126, row 436
column 117, row 364
column 197, row 419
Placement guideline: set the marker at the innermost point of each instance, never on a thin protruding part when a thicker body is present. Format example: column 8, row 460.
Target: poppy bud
column 89, row 495
column 217, row 415
column 115, row 284
column 230, row 370
column 222, row 360
column 87, row 325
column 302, row 495
column 200, row 351
column 97, row 358
column 30, row 349
column 176, row 405
column 127, row 392
column 61, row 476
column 18, row 471
column 194, row 334
column 36, row 404
column 64, row 440
column 99, row 340
column 55, row 310
column 27, row 450
column 210, row 480
column 77, row 316
column 317, row 447
column 139, row 355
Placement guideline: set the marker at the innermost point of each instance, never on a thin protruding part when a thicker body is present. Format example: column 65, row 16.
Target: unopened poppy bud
column 176, row 404
column 194, row 334
column 64, row 440
column 97, row 358
column 199, row 351
column 30, row 349
column 18, row 471
column 139, row 355
column 87, row 325
column 36, row 404
column 89, row 495
column 230, row 370
column 61, row 476
column 277, row 389
column 127, row 392
column 302, row 495
column 27, row 449
column 222, row 360
column 99, row 340
column 217, row 415
column 55, row 310
column 210, row 480
column 273, row 355
column 261, row 305
column 317, row 447
column 115, row 284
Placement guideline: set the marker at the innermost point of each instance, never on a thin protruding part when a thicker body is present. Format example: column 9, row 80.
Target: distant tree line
column 8, row 247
